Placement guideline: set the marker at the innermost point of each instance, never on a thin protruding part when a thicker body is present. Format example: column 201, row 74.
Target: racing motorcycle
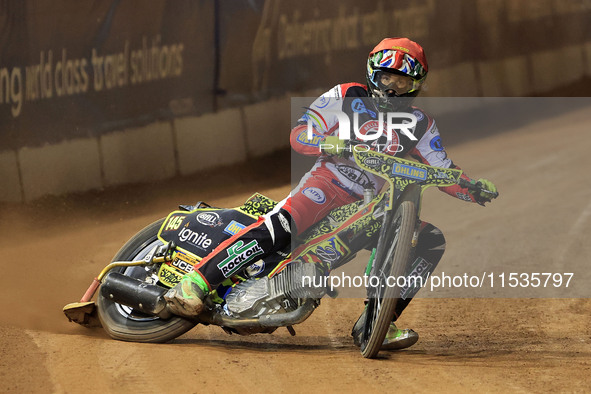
column 269, row 293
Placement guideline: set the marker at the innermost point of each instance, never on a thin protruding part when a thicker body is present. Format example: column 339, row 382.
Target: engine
column 281, row 293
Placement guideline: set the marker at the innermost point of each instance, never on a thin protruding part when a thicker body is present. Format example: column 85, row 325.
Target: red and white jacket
column 353, row 98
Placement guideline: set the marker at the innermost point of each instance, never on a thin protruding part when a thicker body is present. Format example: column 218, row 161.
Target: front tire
column 124, row 323
column 394, row 250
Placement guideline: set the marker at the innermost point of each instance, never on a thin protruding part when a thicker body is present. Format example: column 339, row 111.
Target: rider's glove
column 333, row 145
column 487, row 191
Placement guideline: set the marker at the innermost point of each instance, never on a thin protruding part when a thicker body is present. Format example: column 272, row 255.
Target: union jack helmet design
column 399, row 56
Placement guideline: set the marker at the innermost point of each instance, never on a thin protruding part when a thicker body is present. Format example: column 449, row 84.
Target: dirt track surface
column 52, row 250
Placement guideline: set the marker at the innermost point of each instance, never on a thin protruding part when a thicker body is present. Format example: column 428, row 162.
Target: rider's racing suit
column 335, row 181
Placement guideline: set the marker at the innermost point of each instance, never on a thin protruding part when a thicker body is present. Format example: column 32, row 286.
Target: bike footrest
column 83, row 313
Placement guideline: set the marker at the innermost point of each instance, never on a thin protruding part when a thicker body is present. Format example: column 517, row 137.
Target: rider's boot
column 186, row 298
column 257, row 241
column 396, row 338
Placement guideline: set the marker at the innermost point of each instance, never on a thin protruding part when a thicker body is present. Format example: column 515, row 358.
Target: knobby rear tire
column 398, row 259
column 125, row 325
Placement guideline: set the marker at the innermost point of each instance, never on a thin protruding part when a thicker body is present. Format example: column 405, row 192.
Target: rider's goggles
column 396, row 84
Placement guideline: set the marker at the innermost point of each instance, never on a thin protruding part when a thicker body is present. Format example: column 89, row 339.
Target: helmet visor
column 396, row 84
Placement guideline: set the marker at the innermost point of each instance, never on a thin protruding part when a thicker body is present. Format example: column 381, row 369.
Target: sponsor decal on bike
column 436, row 144
column 302, row 138
column 238, row 255
column 314, row 194
column 198, row 239
column 187, row 258
column 373, row 162
column 326, row 253
column 174, row 223
column 172, row 272
column 169, row 275
column 210, row 219
column 182, row 265
column 233, row 228
column 409, row 171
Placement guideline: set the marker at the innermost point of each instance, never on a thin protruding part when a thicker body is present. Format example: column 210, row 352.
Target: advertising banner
column 72, row 69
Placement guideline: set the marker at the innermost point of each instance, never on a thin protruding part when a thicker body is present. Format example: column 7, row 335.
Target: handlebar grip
column 475, row 187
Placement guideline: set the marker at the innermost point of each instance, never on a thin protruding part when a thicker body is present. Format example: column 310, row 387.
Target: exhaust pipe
column 136, row 294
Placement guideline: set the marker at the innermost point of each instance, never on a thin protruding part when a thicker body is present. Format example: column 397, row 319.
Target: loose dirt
column 51, row 250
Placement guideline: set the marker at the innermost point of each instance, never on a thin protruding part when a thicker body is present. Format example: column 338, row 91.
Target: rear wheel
column 394, row 247
column 126, row 324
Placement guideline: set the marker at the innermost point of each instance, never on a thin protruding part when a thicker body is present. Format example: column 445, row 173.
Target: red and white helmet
column 396, row 67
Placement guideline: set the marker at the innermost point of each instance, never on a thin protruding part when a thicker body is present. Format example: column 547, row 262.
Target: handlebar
column 476, row 187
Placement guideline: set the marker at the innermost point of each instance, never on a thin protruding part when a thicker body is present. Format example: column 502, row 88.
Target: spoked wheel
column 126, row 324
column 394, row 247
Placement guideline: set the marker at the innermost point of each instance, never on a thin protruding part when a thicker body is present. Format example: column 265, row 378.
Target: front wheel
column 393, row 253
column 126, row 324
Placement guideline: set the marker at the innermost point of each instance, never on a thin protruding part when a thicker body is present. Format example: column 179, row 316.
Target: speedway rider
column 396, row 71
